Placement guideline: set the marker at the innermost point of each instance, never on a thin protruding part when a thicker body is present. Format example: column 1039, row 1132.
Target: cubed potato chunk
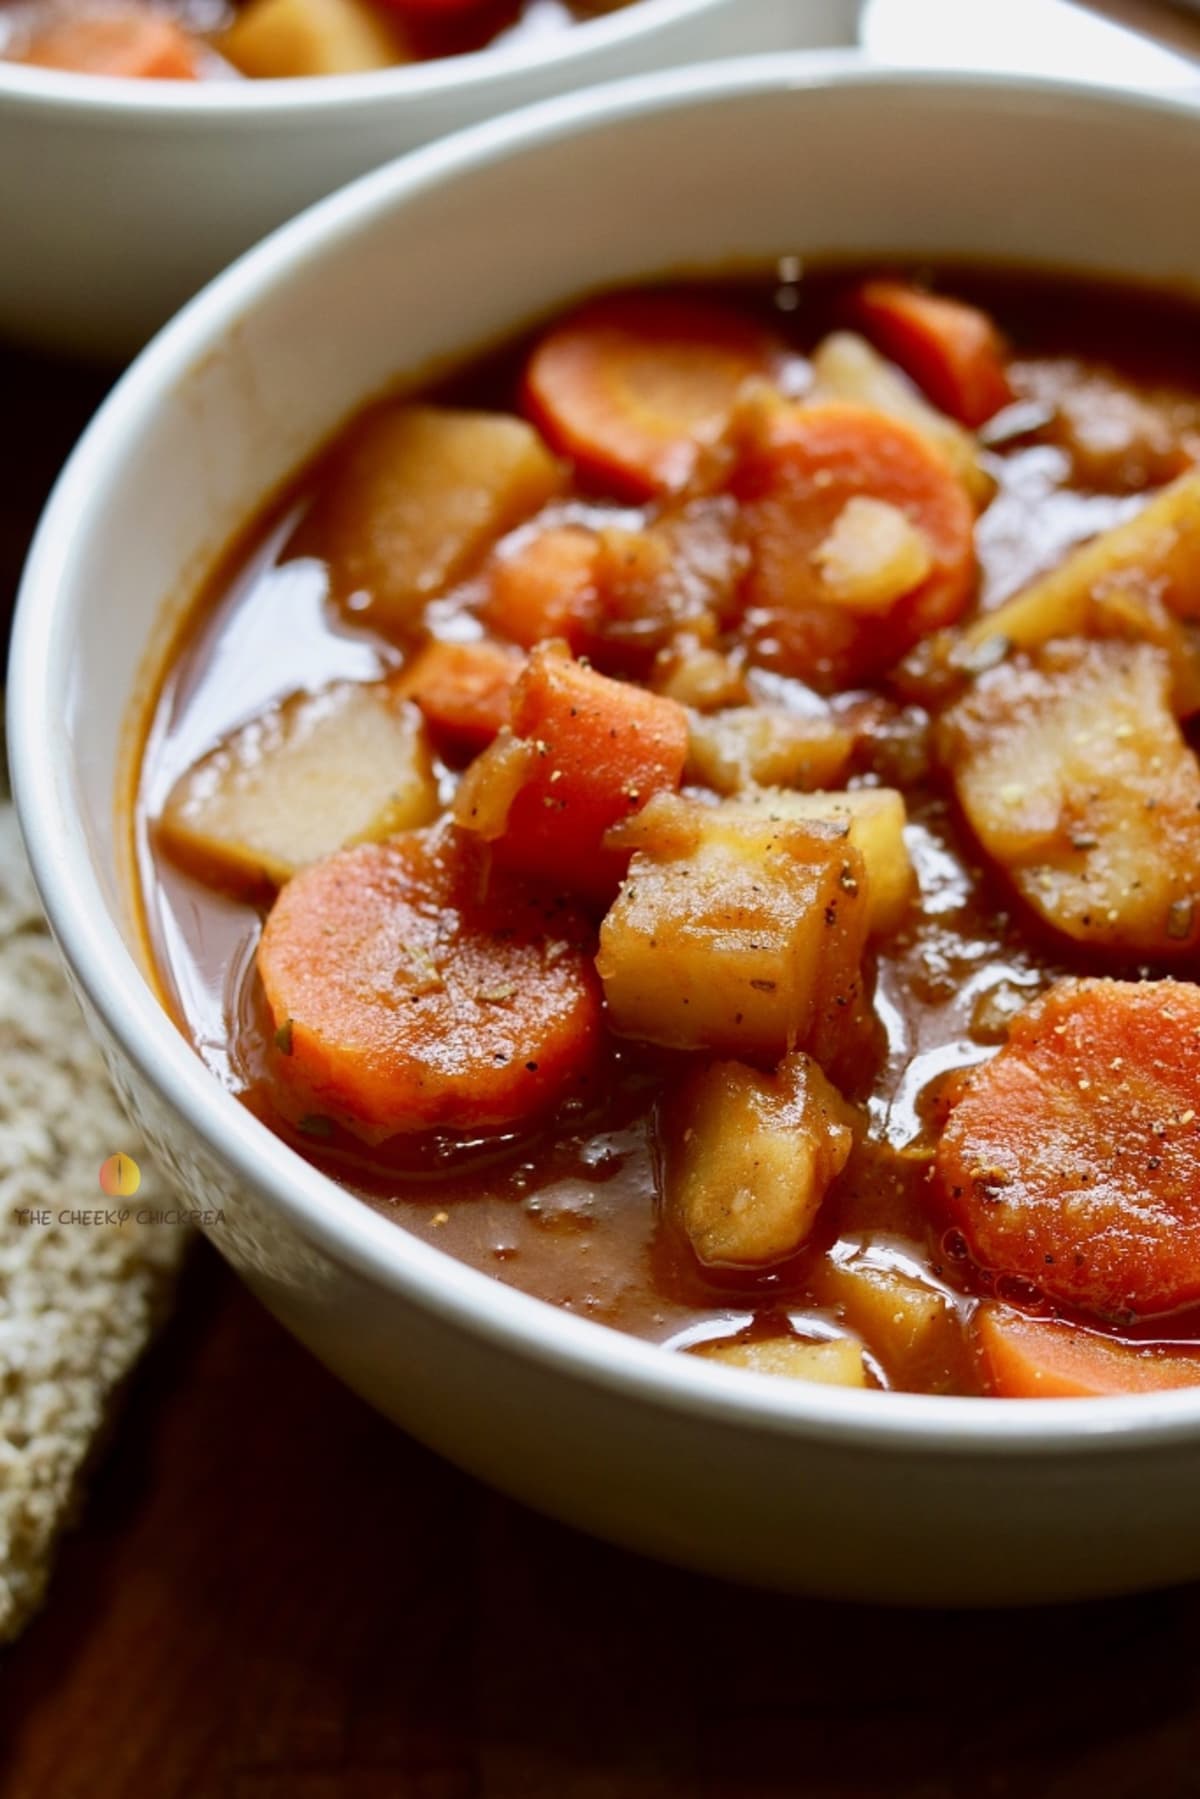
column 846, row 367
column 749, row 1157
column 873, row 819
column 312, row 37
column 1154, row 556
column 692, row 672
column 314, row 775
column 1075, row 777
column 909, row 1325
column 831, row 1361
column 872, row 557
column 735, row 934
column 764, row 746
column 418, row 497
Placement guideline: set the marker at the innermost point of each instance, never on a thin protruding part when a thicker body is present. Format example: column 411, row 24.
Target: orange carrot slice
column 124, row 40
column 464, row 689
column 633, row 385
column 951, row 350
column 544, row 586
column 1037, row 1358
column 1072, row 1158
column 794, row 480
column 589, row 751
column 408, row 994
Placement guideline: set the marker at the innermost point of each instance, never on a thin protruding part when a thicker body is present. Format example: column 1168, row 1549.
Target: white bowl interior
column 460, row 245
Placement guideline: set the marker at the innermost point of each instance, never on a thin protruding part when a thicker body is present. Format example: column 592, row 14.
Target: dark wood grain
column 275, row 1595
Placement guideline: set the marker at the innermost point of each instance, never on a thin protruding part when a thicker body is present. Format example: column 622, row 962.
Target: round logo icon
column 120, row 1177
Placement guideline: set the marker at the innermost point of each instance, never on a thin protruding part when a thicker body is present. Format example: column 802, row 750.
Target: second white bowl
column 119, row 198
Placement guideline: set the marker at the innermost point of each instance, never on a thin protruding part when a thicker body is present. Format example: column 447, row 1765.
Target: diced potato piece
column 1119, row 613
column 320, row 772
column 690, row 671
column 734, row 934
column 872, row 557
column 764, row 746
column 1074, row 775
column 489, row 788
column 846, row 367
column 312, row 37
column 748, row 1158
column 874, row 819
column 909, row 1324
column 1155, row 555
column 1102, row 591
column 421, row 493
column 831, row 1361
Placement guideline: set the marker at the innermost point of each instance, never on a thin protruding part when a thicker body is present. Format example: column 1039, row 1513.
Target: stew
column 699, row 816
column 189, row 40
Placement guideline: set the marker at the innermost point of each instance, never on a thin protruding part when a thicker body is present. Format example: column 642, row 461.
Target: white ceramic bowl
column 118, row 199
column 868, row 1494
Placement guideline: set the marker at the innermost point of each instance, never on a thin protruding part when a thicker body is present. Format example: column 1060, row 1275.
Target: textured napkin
column 80, row 1292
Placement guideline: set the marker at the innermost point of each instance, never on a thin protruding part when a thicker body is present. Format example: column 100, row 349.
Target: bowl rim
column 353, row 1235
column 179, row 103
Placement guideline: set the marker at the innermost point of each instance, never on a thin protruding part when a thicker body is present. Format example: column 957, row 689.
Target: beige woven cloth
column 79, row 1296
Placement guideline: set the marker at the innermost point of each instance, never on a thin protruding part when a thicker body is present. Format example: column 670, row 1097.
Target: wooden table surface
column 275, row 1595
